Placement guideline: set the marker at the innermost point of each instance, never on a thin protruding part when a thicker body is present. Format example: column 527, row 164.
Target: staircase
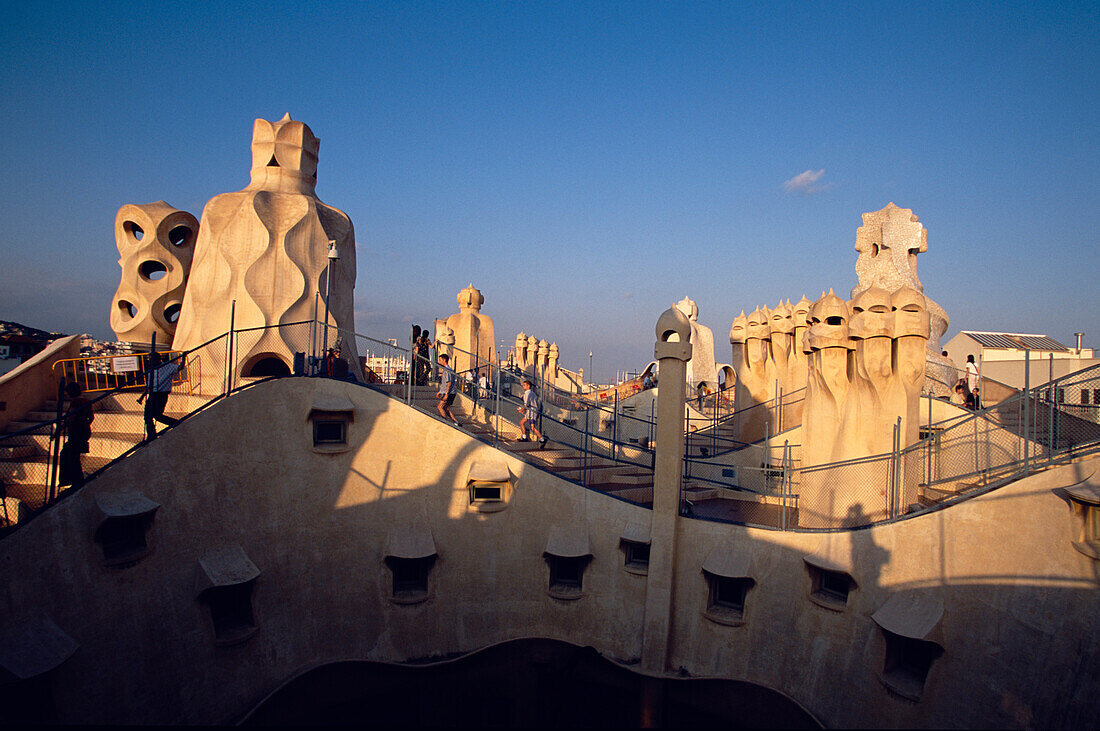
column 117, row 428
column 624, row 481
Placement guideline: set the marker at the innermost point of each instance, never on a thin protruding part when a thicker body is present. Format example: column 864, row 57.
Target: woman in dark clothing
column 78, row 429
column 423, row 364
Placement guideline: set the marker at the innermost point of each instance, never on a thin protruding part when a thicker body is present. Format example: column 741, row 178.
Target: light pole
column 591, row 381
column 333, row 257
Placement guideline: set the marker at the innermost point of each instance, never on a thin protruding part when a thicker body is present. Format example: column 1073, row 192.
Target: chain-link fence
column 607, row 447
column 757, row 493
column 714, row 432
column 79, row 432
column 603, row 448
column 1049, row 424
column 26, row 463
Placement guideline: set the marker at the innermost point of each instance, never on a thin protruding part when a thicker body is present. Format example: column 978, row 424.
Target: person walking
column 530, row 411
column 158, row 381
column 447, row 389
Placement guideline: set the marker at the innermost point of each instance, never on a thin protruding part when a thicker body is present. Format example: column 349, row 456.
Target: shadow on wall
column 523, row 683
column 822, row 617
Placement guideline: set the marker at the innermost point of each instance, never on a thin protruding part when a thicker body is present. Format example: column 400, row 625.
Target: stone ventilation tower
column 155, row 245
column 888, row 243
column 267, row 248
column 474, row 334
column 700, row 369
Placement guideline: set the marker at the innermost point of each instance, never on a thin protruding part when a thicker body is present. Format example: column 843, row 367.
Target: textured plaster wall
column 1019, row 626
column 1021, row 614
column 316, row 526
column 32, row 383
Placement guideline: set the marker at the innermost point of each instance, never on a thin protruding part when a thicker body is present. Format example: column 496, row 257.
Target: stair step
column 12, row 511
column 640, row 495
column 936, row 494
column 16, row 426
column 696, row 493
column 19, row 451
column 178, row 402
column 601, row 474
column 32, row 496
column 22, row 474
column 633, row 476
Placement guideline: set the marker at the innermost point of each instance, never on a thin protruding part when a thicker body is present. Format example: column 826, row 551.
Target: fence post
column 686, row 471
column 410, row 371
column 615, row 423
column 780, row 419
column 767, row 446
column 496, row 411
column 928, row 445
column 1027, row 398
column 584, row 471
column 229, row 350
column 313, row 337
column 652, row 424
column 895, row 502
column 55, row 452
column 1053, row 414
column 786, row 484
column 977, row 448
column 714, row 422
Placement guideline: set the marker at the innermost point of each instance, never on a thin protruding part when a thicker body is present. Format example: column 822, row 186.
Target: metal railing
column 39, row 464
column 718, row 432
column 46, row 458
column 599, row 446
column 590, row 445
column 956, row 458
column 97, row 373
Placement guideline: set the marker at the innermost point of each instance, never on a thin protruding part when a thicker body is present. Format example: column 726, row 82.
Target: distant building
column 91, row 347
column 1001, row 356
column 19, row 343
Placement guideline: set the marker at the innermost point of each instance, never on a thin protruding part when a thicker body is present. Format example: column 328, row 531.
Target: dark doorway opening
column 527, row 683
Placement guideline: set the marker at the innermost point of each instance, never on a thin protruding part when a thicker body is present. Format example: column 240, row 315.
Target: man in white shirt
column 158, row 381
column 446, row 389
column 530, row 411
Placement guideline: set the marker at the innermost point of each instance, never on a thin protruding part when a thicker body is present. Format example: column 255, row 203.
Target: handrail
column 58, row 427
column 963, row 456
column 979, row 449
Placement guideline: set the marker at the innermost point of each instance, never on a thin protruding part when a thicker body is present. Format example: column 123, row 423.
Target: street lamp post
column 333, row 257
column 591, row 381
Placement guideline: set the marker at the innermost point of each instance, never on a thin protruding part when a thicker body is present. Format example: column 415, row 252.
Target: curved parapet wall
column 156, row 243
column 32, row 383
column 252, row 493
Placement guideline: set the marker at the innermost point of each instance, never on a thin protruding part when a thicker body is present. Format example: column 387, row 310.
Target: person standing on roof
column 973, row 378
column 530, row 411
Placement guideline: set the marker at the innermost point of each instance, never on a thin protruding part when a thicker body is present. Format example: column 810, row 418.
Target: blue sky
column 584, row 164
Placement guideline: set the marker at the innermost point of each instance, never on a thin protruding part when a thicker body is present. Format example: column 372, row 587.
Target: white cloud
column 806, row 182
